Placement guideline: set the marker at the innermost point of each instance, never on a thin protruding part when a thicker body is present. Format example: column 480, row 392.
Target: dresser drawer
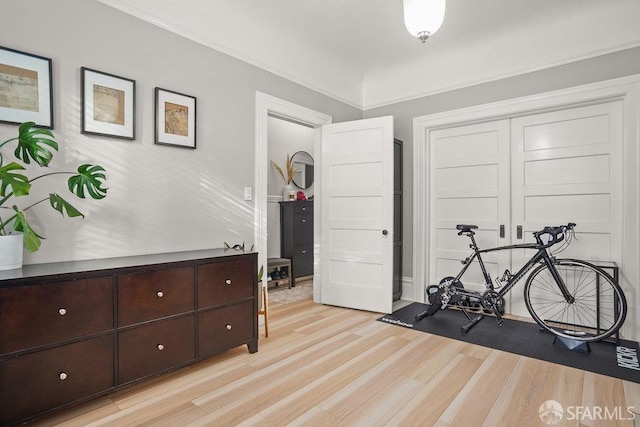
column 155, row 347
column 31, row 316
column 39, row 381
column 302, row 264
column 306, row 208
column 225, row 282
column 224, row 328
column 302, row 229
column 154, row 294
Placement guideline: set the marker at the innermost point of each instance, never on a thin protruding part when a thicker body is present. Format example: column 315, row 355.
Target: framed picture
column 108, row 105
column 26, row 89
column 175, row 119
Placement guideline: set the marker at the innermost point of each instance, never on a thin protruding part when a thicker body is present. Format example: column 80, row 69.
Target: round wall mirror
column 303, row 165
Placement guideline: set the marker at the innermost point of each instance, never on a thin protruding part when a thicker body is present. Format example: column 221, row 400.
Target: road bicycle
column 572, row 299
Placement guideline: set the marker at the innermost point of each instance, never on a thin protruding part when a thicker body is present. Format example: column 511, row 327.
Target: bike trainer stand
column 571, row 344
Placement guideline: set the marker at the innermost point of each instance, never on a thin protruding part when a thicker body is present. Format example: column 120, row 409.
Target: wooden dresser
column 296, row 236
column 72, row 331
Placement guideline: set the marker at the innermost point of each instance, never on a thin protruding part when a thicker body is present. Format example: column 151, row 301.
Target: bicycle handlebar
column 556, row 234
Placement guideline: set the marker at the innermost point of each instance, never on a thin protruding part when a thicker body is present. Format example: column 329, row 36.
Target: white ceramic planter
column 288, row 193
column 11, row 248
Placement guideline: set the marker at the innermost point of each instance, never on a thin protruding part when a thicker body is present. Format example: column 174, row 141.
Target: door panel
column 567, row 167
column 357, row 207
column 469, row 185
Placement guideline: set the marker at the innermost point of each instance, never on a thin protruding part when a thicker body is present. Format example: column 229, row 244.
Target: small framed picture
column 108, row 105
column 26, row 88
column 175, row 119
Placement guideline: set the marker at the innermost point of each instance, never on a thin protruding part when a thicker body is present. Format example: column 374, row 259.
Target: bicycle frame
column 541, row 255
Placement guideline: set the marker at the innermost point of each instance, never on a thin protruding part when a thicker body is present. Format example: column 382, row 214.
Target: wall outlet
column 247, row 193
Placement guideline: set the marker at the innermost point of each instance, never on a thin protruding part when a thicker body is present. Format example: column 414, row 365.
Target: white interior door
column 567, row 167
column 469, row 176
column 357, row 214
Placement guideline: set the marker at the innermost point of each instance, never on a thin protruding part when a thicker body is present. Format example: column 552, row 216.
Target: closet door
column 469, row 184
column 567, row 167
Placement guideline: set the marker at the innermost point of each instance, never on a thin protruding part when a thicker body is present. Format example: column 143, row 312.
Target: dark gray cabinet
column 296, row 236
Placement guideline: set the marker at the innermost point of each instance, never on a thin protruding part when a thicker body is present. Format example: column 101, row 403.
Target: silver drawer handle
column 160, row 294
column 228, row 327
column 63, row 376
column 228, row 281
column 304, row 220
column 160, row 347
column 62, row 311
column 304, row 252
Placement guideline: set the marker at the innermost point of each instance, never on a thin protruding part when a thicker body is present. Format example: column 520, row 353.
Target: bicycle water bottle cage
column 466, row 229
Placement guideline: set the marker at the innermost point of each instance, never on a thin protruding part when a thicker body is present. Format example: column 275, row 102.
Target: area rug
column 284, row 295
column 526, row 339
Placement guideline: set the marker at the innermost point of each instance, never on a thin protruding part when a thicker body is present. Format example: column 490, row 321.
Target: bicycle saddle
column 463, row 228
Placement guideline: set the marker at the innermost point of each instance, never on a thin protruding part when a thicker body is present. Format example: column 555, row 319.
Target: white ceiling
column 359, row 52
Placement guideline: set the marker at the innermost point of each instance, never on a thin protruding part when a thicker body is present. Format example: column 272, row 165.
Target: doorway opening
column 267, row 108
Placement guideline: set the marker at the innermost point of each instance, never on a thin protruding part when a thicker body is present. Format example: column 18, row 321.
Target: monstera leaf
column 35, row 143
column 90, row 179
column 62, row 206
column 8, row 178
column 38, row 146
column 32, row 240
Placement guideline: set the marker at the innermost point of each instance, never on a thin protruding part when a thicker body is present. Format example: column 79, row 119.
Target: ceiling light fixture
column 423, row 17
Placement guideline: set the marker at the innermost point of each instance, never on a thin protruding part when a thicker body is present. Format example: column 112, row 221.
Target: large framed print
column 108, row 104
column 175, row 119
column 26, row 88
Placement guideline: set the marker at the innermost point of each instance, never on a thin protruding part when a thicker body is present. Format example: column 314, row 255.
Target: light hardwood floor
column 329, row 366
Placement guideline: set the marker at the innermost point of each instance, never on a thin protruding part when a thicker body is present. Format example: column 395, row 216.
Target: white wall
column 160, row 198
column 284, row 138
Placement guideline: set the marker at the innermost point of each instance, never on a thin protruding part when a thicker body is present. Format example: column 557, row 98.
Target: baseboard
column 407, row 289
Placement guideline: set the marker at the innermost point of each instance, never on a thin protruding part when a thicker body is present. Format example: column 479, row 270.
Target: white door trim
column 625, row 89
column 265, row 105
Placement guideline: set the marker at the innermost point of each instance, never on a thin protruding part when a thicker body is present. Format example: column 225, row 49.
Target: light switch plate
column 247, row 193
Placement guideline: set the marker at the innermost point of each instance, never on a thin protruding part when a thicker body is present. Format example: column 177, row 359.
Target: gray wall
column 164, row 198
column 619, row 64
column 160, row 198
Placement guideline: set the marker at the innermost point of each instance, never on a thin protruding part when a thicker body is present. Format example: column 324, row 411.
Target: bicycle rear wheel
column 598, row 311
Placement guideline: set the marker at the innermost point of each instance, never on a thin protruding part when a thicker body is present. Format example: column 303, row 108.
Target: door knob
column 385, row 232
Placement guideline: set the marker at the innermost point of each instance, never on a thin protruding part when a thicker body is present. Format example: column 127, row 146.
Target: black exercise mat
column 526, row 339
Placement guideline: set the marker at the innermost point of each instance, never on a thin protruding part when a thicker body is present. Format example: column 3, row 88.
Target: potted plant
column 287, row 176
column 37, row 145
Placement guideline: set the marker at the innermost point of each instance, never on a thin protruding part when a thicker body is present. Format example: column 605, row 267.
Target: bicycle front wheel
column 598, row 308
